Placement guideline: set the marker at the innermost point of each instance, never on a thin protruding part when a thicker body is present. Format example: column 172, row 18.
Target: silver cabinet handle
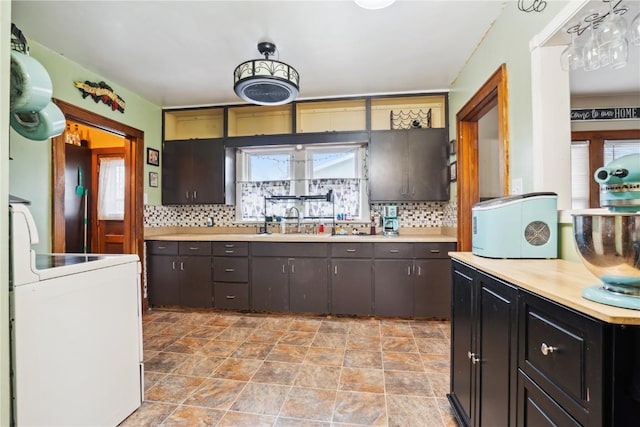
column 547, row 349
column 195, row 194
column 229, row 245
column 181, row 265
column 162, row 247
column 473, row 357
column 335, row 270
column 229, row 270
column 419, row 271
column 293, row 268
column 283, row 268
column 435, row 251
column 394, row 251
column 186, row 194
column 351, row 250
column 229, row 252
column 231, row 297
column 173, row 265
column 193, row 248
column 408, row 270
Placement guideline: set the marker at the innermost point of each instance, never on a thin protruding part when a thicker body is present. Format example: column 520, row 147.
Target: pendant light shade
column 374, row 4
column 266, row 81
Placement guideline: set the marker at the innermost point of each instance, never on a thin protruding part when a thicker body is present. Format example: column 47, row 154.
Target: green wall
column 507, row 42
column 30, row 169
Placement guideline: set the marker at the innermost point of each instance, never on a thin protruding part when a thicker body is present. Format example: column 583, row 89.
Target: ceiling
column 183, row 53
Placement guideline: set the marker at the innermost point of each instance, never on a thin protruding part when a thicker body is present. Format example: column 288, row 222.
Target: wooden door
column 110, row 235
column 77, row 179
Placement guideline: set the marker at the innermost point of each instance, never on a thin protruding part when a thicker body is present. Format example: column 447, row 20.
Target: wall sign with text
column 612, row 113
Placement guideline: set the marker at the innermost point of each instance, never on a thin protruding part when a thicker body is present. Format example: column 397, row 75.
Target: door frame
column 493, row 93
column 134, row 139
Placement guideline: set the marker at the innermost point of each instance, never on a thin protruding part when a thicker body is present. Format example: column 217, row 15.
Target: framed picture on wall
column 153, row 157
column 453, row 171
column 153, row 179
column 452, row 147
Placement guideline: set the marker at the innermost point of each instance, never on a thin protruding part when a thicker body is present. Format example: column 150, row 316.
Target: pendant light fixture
column 266, row 81
column 374, row 4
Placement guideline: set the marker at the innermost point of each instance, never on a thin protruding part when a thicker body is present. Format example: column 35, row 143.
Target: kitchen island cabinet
column 179, row 273
column 528, row 350
column 410, row 165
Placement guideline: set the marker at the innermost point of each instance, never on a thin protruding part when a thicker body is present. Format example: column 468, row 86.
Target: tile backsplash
column 410, row 214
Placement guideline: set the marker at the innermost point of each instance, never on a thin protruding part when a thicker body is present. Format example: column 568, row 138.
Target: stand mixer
column 609, row 243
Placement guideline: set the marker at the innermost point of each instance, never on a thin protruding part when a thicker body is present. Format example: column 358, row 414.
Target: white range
column 76, row 334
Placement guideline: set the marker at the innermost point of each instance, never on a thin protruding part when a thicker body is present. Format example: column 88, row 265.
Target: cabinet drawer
column 230, row 269
column 393, row 250
column 352, row 250
column 561, row 351
column 537, row 408
column 195, row 248
column 230, row 248
column 433, row 249
column 293, row 250
column 231, row 296
column 162, row 247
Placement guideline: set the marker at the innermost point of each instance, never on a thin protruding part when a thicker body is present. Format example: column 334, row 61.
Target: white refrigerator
column 76, row 333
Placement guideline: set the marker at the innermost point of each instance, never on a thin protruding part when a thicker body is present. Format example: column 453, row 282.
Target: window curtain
column 111, row 189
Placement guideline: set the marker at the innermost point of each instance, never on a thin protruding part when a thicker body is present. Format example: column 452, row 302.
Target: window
column 111, row 189
column 591, row 150
column 301, row 170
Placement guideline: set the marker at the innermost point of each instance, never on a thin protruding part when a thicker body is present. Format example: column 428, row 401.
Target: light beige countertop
column 216, row 234
column 558, row 280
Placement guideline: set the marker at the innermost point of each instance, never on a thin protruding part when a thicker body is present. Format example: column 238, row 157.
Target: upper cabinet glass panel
column 198, row 123
column 326, row 116
column 259, row 120
column 408, row 112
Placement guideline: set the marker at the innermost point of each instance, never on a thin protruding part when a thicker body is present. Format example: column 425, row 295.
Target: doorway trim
column 134, row 180
column 493, row 93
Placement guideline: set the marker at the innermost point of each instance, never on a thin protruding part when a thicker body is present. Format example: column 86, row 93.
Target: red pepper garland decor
column 101, row 92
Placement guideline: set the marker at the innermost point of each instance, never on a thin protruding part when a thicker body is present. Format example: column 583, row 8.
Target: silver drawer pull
column 351, row 250
column 231, row 297
column 229, row 252
column 408, row 270
column 547, row 349
column 193, row 248
column 229, row 245
column 162, row 247
column 335, row 270
column 394, row 251
column 229, row 270
column 435, row 251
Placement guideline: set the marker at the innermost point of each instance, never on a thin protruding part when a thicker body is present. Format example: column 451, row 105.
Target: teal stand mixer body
column 609, row 243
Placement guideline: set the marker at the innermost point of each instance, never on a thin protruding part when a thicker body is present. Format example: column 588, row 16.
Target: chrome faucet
column 297, row 215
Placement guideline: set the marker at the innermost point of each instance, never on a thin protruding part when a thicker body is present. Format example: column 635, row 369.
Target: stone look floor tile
column 194, row 416
column 413, row 411
column 364, row 380
column 172, row 388
column 318, row 376
column 363, row 359
column 216, row 393
column 241, row 419
column 360, row 408
column 238, row 369
column 259, row 398
column 309, row 403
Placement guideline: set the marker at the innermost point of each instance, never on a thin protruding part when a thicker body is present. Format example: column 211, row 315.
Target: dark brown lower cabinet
column 270, row 284
column 231, row 275
column 308, row 285
column 394, row 287
column 179, row 273
column 351, row 286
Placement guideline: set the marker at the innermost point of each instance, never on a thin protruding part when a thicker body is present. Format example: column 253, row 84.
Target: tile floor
column 239, row 369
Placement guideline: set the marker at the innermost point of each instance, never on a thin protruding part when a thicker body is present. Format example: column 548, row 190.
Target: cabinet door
column 176, row 172
column 195, row 281
column 496, row 349
column 162, row 275
column 461, row 342
column 393, row 287
column 207, row 174
column 351, row 286
column 269, row 284
column 308, row 285
column 388, row 179
column 432, row 287
column 427, row 165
